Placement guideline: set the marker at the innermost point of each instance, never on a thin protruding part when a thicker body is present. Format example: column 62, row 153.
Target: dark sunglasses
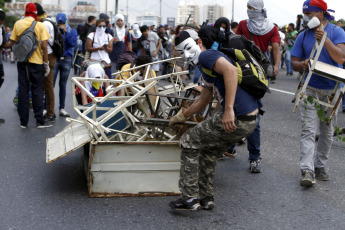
column 101, row 26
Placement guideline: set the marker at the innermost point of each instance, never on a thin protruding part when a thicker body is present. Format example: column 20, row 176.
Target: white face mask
column 100, row 30
column 222, row 29
column 313, row 23
column 189, row 51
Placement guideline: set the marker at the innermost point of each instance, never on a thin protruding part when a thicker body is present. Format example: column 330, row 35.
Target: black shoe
column 181, row 204
column 255, row 166
column 343, row 110
column 207, row 203
column 308, row 179
column 321, row 174
column 42, row 126
column 50, row 119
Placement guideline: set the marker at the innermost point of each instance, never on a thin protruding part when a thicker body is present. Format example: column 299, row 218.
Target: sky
column 278, row 11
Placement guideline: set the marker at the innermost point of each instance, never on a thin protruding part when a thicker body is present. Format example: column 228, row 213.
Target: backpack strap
column 45, row 20
column 250, row 35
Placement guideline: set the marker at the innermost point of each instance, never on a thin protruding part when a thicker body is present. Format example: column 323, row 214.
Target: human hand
column 305, row 64
column 319, row 34
column 229, row 120
column 276, row 70
column 46, row 69
column 178, row 118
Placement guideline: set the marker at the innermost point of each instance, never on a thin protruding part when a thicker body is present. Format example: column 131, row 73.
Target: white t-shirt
column 100, row 55
column 50, row 29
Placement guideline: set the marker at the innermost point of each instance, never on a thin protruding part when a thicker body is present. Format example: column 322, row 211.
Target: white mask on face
column 189, row 51
column 222, row 29
column 100, row 31
column 313, row 23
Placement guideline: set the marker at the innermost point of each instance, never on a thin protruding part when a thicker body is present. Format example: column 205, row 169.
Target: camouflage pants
column 201, row 146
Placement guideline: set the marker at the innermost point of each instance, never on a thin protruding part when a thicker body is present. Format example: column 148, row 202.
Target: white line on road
column 281, row 91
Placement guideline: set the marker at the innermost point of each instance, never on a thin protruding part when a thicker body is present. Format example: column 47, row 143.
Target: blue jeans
column 64, row 67
column 288, row 62
column 343, row 101
column 253, row 144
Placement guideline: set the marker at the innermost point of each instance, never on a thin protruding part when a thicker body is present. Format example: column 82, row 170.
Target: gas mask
column 310, row 23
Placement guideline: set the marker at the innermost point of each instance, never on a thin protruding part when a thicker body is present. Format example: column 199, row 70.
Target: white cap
column 136, row 31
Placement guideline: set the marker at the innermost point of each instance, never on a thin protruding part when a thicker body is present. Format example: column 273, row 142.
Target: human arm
column 158, row 48
column 199, row 104
column 299, row 64
column 90, row 48
column 109, row 47
column 129, row 41
column 44, row 47
column 230, row 75
column 276, row 56
column 337, row 52
column 8, row 44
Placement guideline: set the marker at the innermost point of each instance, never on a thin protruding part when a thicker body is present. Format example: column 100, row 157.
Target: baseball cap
column 61, row 18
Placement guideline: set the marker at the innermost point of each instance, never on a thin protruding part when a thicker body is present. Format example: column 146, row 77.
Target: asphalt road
column 34, row 195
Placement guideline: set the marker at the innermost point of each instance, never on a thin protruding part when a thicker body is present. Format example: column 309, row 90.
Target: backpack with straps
column 251, row 75
column 58, row 43
column 241, row 42
column 26, row 44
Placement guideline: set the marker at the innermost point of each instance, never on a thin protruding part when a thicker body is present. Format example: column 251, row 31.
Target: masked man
column 333, row 53
column 204, row 143
column 262, row 32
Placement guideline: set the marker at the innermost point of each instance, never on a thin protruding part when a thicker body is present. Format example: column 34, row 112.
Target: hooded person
column 258, row 23
column 136, row 35
column 64, row 64
column 94, row 71
column 236, row 119
column 223, row 24
column 313, row 159
column 122, row 41
column 263, row 33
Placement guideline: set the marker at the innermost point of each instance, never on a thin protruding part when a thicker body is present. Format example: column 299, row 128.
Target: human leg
column 23, row 94
column 64, row 74
column 36, row 73
column 49, row 87
column 288, row 62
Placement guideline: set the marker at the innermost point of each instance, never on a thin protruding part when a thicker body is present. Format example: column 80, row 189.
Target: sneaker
column 181, row 204
column 255, row 166
column 44, row 112
column 320, row 174
column 207, row 203
column 308, row 178
column 242, row 141
column 30, row 104
column 23, row 126
column 43, row 126
column 50, row 118
column 2, row 121
column 343, row 110
column 15, row 101
column 63, row 113
column 231, row 154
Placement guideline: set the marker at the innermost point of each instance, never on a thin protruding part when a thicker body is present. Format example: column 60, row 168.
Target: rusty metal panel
column 69, row 139
column 135, row 169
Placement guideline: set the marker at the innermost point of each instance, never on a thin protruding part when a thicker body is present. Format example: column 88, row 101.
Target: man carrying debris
column 333, row 53
column 204, row 143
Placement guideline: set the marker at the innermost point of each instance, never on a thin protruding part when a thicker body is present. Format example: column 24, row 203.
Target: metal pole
column 127, row 14
column 160, row 12
column 116, row 6
column 233, row 10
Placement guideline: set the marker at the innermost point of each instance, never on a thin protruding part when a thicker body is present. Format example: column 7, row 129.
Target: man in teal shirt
column 290, row 41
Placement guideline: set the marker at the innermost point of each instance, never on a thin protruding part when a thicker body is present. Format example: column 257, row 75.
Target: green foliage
column 10, row 20
column 322, row 116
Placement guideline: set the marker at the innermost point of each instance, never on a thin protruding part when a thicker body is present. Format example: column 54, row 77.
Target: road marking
column 281, row 91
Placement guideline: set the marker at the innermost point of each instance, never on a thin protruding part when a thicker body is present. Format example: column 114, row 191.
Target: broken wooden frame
column 148, row 98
